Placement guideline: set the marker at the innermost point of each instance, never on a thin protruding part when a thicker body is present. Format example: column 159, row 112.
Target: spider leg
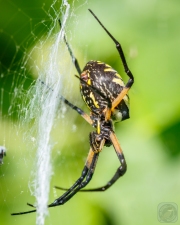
column 21, row 213
column 85, row 178
column 120, row 171
column 87, row 174
column 126, row 68
column 74, row 59
column 77, row 109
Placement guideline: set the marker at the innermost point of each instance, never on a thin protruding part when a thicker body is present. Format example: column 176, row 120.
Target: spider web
column 33, row 78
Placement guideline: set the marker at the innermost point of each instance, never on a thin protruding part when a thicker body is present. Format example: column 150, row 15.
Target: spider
column 105, row 94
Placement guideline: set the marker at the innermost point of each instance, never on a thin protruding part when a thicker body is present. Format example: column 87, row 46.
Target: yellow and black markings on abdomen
column 105, row 84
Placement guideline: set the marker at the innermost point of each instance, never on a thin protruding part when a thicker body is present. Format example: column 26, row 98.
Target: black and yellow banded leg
column 87, row 172
column 85, row 178
column 119, row 48
column 126, row 69
column 120, row 171
column 78, row 110
column 119, row 98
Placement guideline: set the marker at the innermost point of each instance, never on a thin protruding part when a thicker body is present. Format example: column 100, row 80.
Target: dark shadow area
column 105, row 216
column 171, row 139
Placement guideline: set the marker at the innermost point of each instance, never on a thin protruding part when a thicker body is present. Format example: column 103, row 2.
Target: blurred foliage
column 149, row 32
column 170, row 137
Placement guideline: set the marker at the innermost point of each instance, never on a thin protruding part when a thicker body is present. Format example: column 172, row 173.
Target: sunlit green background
column 149, row 32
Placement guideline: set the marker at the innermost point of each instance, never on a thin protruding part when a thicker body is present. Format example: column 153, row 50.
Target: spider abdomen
column 100, row 86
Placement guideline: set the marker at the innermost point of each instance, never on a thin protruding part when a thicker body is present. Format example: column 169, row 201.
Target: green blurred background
column 149, row 32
